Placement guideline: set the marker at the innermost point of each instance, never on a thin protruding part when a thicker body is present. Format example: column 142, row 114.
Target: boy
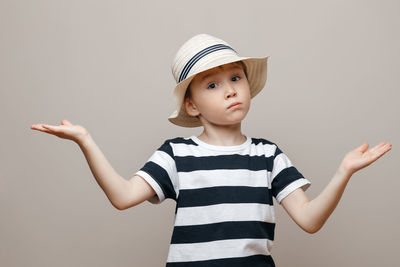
column 223, row 182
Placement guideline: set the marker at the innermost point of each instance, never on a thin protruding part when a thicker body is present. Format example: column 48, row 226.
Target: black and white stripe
column 188, row 66
column 224, row 199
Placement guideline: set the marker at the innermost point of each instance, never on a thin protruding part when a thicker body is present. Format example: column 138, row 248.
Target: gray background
column 332, row 84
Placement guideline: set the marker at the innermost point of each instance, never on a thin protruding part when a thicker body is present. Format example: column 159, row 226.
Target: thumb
column 363, row 147
column 66, row 122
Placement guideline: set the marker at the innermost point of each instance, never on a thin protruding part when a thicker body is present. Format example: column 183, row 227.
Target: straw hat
column 203, row 52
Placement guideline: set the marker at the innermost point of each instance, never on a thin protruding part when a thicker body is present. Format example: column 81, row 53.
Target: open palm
column 360, row 157
column 66, row 130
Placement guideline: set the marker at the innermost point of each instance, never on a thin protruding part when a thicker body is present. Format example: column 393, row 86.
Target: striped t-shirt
column 224, row 212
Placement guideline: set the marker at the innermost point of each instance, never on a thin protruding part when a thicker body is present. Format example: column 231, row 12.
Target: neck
column 222, row 135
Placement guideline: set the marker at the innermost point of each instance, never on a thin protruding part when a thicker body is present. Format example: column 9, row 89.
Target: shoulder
column 179, row 140
column 171, row 144
column 271, row 147
column 263, row 141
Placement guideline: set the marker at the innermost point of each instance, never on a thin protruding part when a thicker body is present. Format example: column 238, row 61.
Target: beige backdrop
column 333, row 83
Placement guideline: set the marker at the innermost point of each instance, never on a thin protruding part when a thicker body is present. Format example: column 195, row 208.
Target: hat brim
column 256, row 69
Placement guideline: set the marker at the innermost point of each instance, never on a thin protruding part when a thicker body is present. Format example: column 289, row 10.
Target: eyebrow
column 210, row 74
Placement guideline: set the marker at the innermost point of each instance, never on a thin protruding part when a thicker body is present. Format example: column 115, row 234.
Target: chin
column 233, row 122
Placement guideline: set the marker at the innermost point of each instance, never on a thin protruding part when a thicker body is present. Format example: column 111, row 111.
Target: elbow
column 312, row 229
column 310, row 226
column 123, row 205
column 118, row 205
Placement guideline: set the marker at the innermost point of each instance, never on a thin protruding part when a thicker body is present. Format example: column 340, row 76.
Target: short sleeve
column 285, row 177
column 160, row 172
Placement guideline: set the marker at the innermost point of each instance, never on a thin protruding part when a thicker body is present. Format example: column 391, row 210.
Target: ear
column 190, row 107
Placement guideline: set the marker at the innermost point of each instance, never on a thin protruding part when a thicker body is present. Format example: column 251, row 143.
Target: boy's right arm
column 122, row 193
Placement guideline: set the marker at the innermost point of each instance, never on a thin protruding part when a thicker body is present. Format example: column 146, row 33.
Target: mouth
column 234, row 104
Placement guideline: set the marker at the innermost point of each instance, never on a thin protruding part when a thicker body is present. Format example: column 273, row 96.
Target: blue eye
column 236, row 77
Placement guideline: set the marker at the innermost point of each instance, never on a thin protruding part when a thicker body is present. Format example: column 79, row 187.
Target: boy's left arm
column 311, row 215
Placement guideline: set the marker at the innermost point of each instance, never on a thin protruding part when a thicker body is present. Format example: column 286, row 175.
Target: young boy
column 223, row 181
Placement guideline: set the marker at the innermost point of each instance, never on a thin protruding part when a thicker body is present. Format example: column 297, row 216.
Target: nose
column 230, row 91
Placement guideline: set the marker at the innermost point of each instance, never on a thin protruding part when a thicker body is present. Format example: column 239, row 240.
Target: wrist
column 343, row 171
column 84, row 140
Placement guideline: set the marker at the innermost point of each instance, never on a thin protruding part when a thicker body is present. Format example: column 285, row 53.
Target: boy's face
column 214, row 90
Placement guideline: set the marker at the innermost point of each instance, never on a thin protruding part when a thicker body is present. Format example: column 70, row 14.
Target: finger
column 50, row 127
column 39, row 127
column 383, row 147
column 36, row 125
column 377, row 147
column 363, row 147
column 381, row 150
column 66, row 122
column 386, row 147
